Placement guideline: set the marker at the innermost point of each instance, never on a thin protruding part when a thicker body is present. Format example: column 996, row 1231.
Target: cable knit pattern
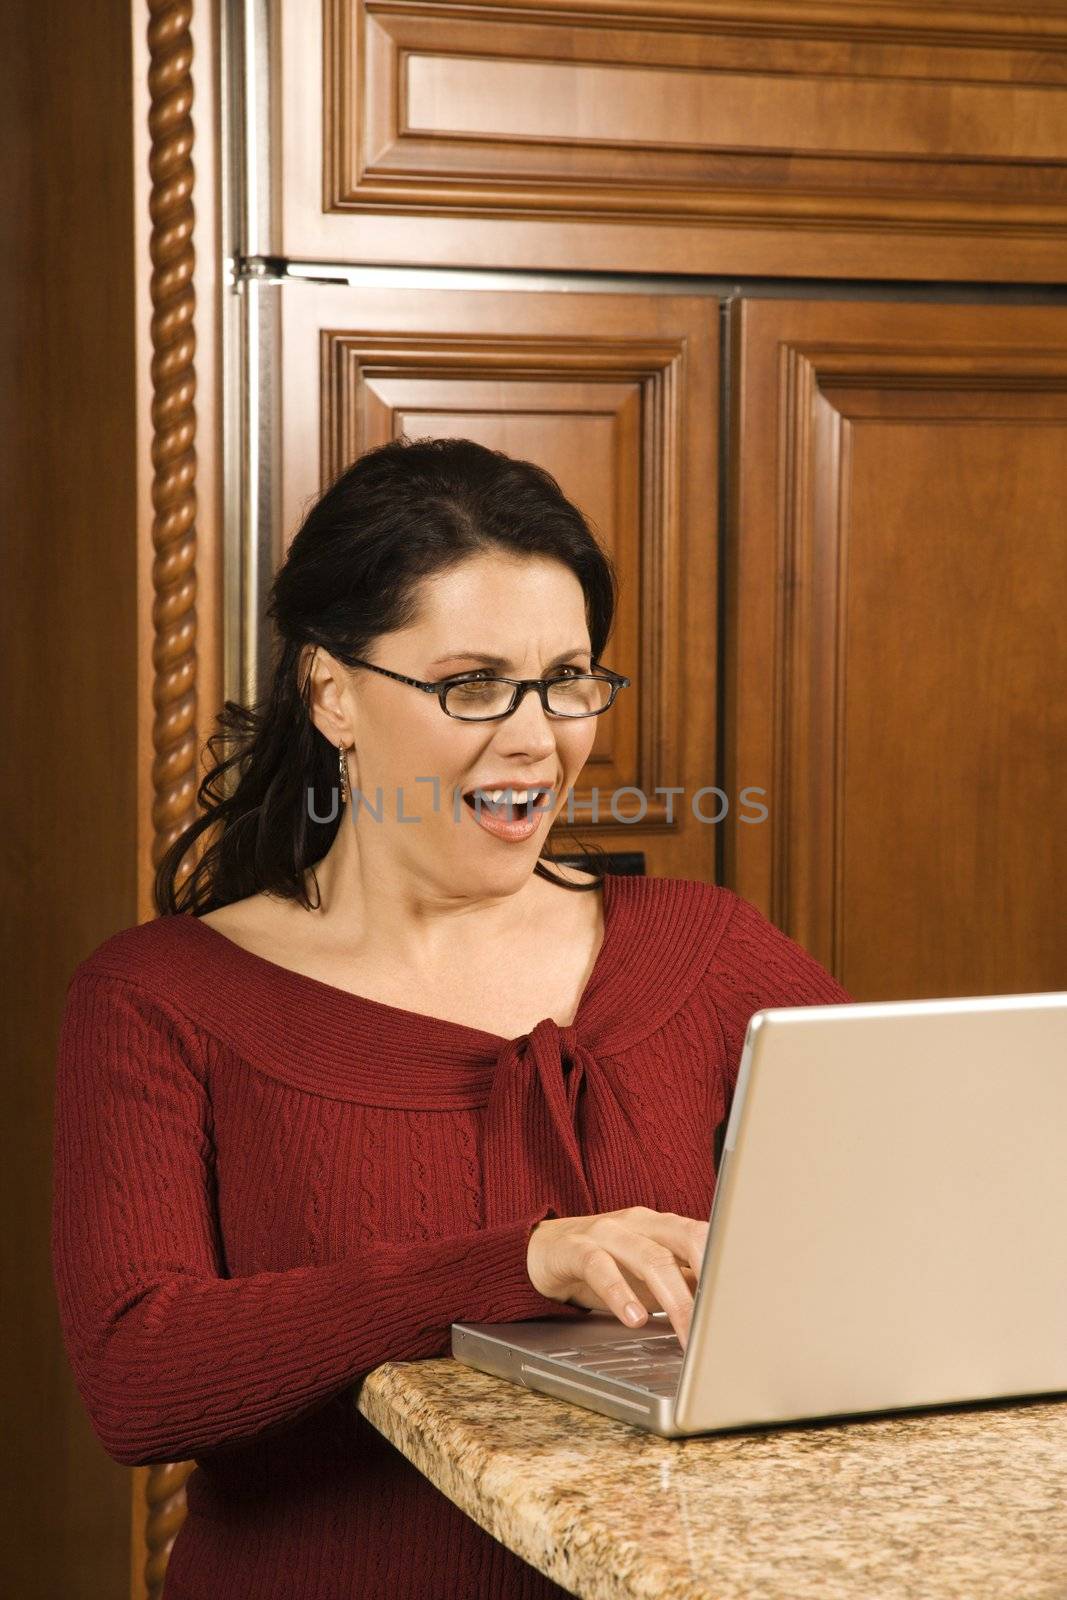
column 265, row 1186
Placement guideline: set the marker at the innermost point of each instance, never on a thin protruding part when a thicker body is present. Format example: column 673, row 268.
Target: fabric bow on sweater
column 565, row 1106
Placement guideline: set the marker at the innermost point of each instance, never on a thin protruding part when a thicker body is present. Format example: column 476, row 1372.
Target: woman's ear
column 327, row 685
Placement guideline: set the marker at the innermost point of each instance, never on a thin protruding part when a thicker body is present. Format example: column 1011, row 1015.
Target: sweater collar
column 659, row 936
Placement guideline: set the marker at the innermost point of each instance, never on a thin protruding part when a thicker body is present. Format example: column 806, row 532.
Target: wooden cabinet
column 617, row 395
column 823, row 138
column 848, row 656
column 895, row 647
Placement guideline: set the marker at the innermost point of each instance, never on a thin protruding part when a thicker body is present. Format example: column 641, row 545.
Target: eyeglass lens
column 491, row 697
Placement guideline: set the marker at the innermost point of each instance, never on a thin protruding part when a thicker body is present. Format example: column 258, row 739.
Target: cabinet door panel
column 816, row 139
column 617, row 396
column 896, row 651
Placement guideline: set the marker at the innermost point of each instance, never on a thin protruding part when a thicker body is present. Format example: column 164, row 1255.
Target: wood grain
column 617, row 395
column 897, row 560
column 829, row 139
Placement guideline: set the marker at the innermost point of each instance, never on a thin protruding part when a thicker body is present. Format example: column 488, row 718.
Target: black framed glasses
column 471, row 698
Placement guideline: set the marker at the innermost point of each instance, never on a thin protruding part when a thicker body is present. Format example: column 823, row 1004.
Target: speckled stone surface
column 968, row 1503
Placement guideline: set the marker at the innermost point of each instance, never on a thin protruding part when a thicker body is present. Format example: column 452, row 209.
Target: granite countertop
column 969, row 1502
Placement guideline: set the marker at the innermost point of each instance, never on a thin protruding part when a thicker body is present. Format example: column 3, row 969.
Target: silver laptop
column 889, row 1230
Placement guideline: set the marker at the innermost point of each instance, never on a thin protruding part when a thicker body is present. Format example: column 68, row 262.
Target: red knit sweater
column 265, row 1186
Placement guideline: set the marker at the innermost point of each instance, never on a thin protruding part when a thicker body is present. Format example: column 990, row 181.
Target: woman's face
column 529, row 612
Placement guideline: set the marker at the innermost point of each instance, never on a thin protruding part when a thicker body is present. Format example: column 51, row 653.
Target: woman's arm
column 170, row 1357
column 756, row 966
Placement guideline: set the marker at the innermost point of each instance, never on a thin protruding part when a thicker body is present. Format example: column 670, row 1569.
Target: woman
column 375, row 1067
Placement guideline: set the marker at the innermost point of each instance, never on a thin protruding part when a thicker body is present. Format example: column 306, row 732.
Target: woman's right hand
column 612, row 1260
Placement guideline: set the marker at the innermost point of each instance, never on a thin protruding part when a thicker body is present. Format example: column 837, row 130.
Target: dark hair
column 396, row 515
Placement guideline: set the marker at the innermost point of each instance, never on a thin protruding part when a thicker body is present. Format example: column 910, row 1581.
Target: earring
column 343, row 767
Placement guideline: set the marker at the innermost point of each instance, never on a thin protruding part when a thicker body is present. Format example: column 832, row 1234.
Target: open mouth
column 506, row 803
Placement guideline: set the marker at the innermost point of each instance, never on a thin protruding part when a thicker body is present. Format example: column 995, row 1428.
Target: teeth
column 519, row 797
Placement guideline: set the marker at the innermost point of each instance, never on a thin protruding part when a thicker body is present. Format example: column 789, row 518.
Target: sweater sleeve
column 756, row 966
column 171, row 1356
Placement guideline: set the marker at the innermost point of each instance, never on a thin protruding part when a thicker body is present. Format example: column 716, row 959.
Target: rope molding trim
column 174, row 504
column 174, row 459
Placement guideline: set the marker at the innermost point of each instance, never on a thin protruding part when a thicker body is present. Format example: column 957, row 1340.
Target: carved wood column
column 173, row 417
column 159, row 1491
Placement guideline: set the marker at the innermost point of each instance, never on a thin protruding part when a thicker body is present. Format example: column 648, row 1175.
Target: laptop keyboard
column 654, row 1364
